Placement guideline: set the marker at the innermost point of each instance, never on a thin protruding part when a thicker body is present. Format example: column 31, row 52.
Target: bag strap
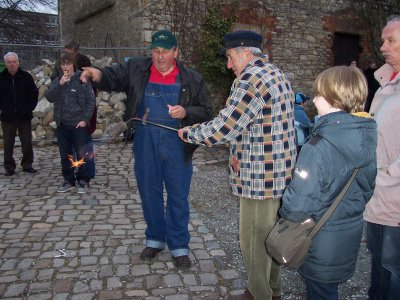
column 335, row 203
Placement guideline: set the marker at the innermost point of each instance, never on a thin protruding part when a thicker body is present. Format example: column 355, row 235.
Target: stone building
column 303, row 37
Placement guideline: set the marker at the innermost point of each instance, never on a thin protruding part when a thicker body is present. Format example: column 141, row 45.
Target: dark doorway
column 345, row 48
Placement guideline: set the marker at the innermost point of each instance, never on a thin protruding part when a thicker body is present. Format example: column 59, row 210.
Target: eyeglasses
column 66, row 64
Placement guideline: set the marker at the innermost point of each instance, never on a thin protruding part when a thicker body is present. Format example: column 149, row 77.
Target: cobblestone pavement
column 102, row 234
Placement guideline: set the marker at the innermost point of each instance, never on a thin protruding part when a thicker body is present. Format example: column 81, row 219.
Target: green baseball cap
column 163, row 39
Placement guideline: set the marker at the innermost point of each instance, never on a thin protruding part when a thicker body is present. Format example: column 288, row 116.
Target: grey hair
column 393, row 18
column 8, row 54
column 254, row 50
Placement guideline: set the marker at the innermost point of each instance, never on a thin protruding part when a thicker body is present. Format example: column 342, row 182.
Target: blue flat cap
column 242, row 38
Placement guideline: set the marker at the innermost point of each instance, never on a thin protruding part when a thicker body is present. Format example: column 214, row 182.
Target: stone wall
column 92, row 30
column 119, row 23
column 298, row 34
column 126, row 23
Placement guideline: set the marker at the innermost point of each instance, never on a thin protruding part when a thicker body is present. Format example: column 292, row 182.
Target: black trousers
column 25, row 136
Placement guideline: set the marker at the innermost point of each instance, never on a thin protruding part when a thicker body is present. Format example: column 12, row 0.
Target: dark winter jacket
column 132, row 79
column 73, row 101
column 18, row 96
column 339, row 143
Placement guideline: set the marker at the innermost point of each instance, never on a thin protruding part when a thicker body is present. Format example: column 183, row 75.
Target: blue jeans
column 159, row 161
column 321, row 291
column 383, row 243
column 69, row 138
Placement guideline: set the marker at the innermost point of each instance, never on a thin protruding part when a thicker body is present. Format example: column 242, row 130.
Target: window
column 3, row 38
column 36, row 38
column 51, row 39
column 52, row 21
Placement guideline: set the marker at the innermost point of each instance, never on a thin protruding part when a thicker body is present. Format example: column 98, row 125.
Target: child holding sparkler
column 74, row 103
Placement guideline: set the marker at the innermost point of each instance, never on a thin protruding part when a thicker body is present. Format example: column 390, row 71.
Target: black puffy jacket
column 18, row 96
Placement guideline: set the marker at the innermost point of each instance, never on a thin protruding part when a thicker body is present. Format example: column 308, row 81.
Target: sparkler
column 77, row 163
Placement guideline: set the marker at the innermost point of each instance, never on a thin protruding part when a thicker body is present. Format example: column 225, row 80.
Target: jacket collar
column 384, row 73
column 7, row 74
column 257, row 61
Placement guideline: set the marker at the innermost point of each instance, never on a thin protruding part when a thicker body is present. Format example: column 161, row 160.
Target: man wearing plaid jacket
column 258, row 123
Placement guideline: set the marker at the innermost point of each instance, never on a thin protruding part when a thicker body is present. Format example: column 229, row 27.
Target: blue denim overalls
column 159, row 160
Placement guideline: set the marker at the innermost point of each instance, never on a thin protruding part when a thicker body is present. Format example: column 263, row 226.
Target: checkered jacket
column 258, row 123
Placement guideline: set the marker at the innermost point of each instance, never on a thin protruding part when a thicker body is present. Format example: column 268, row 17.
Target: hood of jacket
column 360, row 134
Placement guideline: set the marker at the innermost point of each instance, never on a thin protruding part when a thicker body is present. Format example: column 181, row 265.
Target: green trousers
column 257, row 217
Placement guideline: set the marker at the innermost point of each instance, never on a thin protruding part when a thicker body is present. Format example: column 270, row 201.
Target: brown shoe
column 182, row 262
column 245, row 296
column 149, row 253
column 276, row 297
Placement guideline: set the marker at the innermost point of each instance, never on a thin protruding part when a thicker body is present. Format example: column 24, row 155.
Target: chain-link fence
column 31, row 56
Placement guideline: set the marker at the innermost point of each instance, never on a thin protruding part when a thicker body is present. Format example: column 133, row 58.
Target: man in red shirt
column 165, row 92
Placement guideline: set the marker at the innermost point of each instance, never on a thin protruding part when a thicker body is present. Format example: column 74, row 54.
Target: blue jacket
column 338, row 144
